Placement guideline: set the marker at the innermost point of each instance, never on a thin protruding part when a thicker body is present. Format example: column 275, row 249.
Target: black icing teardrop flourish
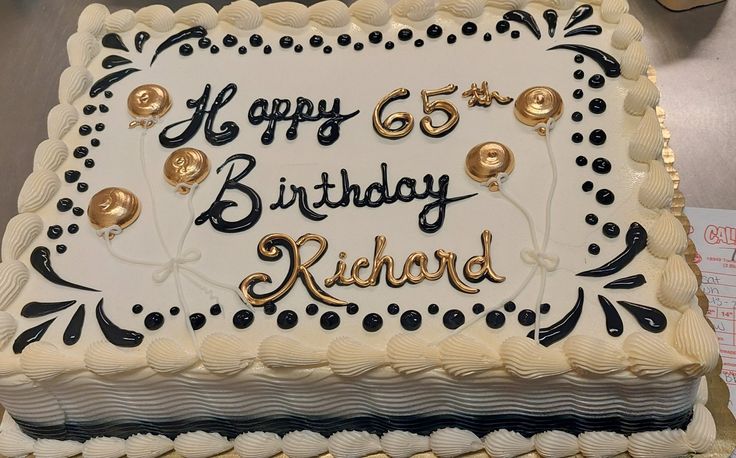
column 607, row 62
column 636, row 241
column 649, row 318
column 631, row 282
column 114, row 334
column 37, row 309
column 41, row 262
column 585, row 30
column 73, row 330
column 113, row 61
column 30, row 335
column 614, row 324
column 563, row 328
column 580, row 14
column 194, row 32
column 106, row 81
column 525, row 18
column 140, row 39
column 113, row 41
column 551, row 17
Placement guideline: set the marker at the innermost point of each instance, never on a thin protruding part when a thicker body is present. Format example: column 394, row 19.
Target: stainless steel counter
column 693, row 53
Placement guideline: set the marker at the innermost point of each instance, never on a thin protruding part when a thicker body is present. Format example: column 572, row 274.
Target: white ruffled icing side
column 330, row 13
column 42, row 361
column 104, row 447
column 147, row 446
column 678, row 285
column 559, row 4
column 158, row 17
column 664, row 443
column 13, row 277
column 526, row 358
column 634, row 62
column 14, row 443
column 39, row 188
column 403, row 444
column 649, row 356
column 82, row 47
column 629, row 29
column 451, row 442
column 49, row 448
column 303, row 444
column 701, row 432
column 224, row 354
column 167, row 356
column 60, row 120
column 647, row 142
column 667, row 237
column 8, row 326
column 50, row 154
column 257, row 445
column 353, row 444
column 21, row 231
column 657, row 190
column 280, row 351
column 409, row 354
column 462, row 356
column 590, row 355
column 243, row 14
column 695, row 338
column 602, row 443
column 508, row 4
column 612, row 10
column 201, row 445
column 120, row 21
column 556, row 444
column 350, row 358
column 197, row 14
column 103, row 358
column 371, row 12
column 415, row 10
column 92, row 19
column 289, row 14
column 463, row 8
column 643, row 95
column 73, row 83
column 507, row 444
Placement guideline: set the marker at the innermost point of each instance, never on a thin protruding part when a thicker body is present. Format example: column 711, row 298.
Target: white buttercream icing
column 664, row 443
column 103, row 358
column 678, row 285
column 225, row 354
column 330, row 13
column 281, row 351
column 649, row 356
column 50, row 154
column 350, row 358
column 657, row 189
column 701, row 432
column 353, row 444
column 667, row 237
column 556, row 444
column 21, row 231
column 61, row 119
column 629, row 29
column 158, row 17
column 526, row 358
column 50, row 448
column 147, row 446
column 167, row 356
column 612, row 10
column 644, row 94
column 197, row 14
column 104, row 447
column 592, row 355
column 409, row 354
column 403, row 444
column 647, row 142
column 695, row 338
column 42, row 361
column 415, row 10
column 201, row 445
column 13, row 277
column 372, row 12
column 257, row 445
column 602, row 443
column 39, row 188
column 451, row 442
column 120, row 21
column 635, row 61
column 73, row 83
column 290, row 14
column 303, row 444
column 8, row 326
column 463, row 8
column 462, row 355
column 507, row 444
column 92, row 19
column 243, row 14
column 82, row 47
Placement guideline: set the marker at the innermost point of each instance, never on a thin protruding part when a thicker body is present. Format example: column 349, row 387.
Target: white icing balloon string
column 142, row 155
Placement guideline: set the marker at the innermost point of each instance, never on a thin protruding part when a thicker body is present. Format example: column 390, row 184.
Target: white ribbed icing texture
column 657, row 190
column 678, row 285
column 647, row 142
column 667, row 237
column 147, row 445
column 21, row 231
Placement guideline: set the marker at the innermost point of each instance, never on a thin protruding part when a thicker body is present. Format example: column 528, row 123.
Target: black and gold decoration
column 113, row 207
column 186, row 166
column 486, row 161
column 537, row 106
column 147, row 103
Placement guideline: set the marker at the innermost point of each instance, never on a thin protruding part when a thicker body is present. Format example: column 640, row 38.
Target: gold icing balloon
column 148, row 101
column 186, row 166
column 537, row 105
column 487, row 160
column 113, row 207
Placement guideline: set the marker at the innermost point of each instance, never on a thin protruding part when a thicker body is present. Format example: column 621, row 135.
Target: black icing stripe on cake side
column 527, row 425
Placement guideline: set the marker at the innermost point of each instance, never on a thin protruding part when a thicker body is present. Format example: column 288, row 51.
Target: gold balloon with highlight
column 538, row 105
column 487, row 160
column 186, row 166
column 149, row 102
column 113, row 207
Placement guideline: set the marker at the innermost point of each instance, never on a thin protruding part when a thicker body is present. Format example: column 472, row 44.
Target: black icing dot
column 515, row 34
column 267, row 49
column 579, row 74
column 99, row 127
column 215, row 310
column 153, row 321
column 71, row 176
column 582, row 161
column 269, row 309
column 478, row 308
column 510, row 306
column 451, row 38
column 544, row 308
column 495, row 319
column 104, row 108
column 453, row 319
column 72, row 228
column 186, row 49
column 61, row 249
column 64, row 204
column 89, row 163
column 577, row 137
column 411, row 320
column 328, row 49
column 418, row 42
column 597, row 137
column 329, row 320
column 578, row 93
column 230, row 40
column 352, row 308
column 214, row 49
column 242, row 319
column 611, row 230
column 601, row 165
column 82, row 187
column 487, row 36
column 298, row 48
column 316, row 41
column 433, row 309
column 256, row 40
column 502, row 26
column 286, row 42
column 174, row 311
column 587, row 186
column 405, row 34
column 527, row 317
column 577, row 116
column 108, row 94
column 375, row 37
column 344, row 39
column 54, row 232
column 358, row 46
column 597, row 106
column 80, row 152
column 287, row 319
column 392, row 309
column 594, row 249
column 84, row 130
column 137, row 308
column 197, row 320
column 434, row 31
column 597, row 81
column 312, row 309
column 372, row 322
column 242, row 50
column 204, row 42
column 591, row 219
column 389, row 45
column 95, row 142
column 469, row 28
column 579, row 59
column 605, row 197
column 89, row 109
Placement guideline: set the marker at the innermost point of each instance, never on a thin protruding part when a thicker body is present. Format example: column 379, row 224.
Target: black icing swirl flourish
column 113, row 333
column 607, row 62
column 41, row 262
